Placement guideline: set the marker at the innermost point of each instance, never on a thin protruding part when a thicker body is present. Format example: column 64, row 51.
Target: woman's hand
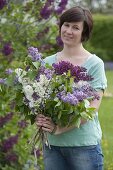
column 45, row 123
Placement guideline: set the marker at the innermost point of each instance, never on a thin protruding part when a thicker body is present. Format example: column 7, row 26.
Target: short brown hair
column 77, row 14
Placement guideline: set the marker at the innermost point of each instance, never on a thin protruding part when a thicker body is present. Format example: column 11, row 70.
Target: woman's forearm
column 60, row 130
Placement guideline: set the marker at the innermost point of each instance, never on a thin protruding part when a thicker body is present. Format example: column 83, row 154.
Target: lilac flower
column 59, row 41
column 91, row 93
column 80, row 95
column 80, row 73
column 9, row 143
column 22, row 124
column 48, row 73
column 34, row 54
column 45, row 12
column 2, row 3
column 7, row 49
column 9, row 71
column 11, row 157
column 5, row 119
column 69, row 98
column 38, row 153
column 61, row 6
column 62, row 67
column 2, row 81
column 35, row 96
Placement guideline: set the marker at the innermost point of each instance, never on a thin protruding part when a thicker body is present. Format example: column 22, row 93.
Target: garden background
column 35, row 23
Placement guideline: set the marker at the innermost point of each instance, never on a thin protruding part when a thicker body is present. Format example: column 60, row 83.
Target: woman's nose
column 69, row 30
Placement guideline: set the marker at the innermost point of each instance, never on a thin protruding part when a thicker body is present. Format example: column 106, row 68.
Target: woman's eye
column 67, row 25
column 75, row 28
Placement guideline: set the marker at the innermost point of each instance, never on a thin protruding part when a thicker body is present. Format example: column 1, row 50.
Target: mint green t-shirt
column 89, row 133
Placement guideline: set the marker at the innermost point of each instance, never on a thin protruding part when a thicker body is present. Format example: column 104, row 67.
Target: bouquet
column 61, row 91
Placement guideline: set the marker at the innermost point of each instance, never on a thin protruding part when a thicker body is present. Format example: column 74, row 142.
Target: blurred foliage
column 102, row 37
column 23, row 24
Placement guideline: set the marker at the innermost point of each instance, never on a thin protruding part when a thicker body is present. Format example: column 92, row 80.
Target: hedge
column 101, row 42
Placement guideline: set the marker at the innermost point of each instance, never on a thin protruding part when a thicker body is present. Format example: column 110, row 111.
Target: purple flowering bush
column 22, row 24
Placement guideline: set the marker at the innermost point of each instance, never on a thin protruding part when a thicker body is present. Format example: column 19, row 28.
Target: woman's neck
column 70, row 52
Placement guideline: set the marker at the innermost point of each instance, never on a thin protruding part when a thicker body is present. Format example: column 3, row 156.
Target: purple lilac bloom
column 62, row 67
column 61, row 6
column 80, row 95
column 48, row 73
column 5, row 119
column 80, row 73
column 90, row 91
column 2, row 81
column 35, row 55
column 2, row 3
column 59, row 41
column 9, row 143
column 45, row 12
column 27, row 68
column 22, row 124
column 70, row 98
column 7, row 49
column 11, row 157
column 38, row 153
column 35, row 96
column 9, row 71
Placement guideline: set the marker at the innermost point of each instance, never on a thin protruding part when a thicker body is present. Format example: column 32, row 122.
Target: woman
column 76, row 148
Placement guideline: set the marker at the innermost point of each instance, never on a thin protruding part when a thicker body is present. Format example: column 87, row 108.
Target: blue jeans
column 73, row 158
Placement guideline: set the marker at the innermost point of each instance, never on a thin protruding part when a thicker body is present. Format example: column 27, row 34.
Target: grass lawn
column 106, row 120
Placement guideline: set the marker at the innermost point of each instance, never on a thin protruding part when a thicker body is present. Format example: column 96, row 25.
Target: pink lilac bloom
column 5, row 119
column 9, row 143
column 2, row 4
column 7, row 49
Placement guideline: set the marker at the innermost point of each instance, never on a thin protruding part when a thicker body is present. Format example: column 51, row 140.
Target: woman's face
column 71, row 33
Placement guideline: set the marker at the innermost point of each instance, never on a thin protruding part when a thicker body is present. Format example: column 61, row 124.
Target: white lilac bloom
column 20, row 74
column 31, row 104
column 80, row 84
column 43, row 80
column 28, row 91
column 39, row 89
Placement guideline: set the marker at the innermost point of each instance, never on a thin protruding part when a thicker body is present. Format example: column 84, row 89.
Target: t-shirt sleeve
column 99, row 78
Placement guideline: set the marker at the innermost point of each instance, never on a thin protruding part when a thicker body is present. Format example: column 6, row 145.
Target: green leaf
column 36, row 64
column 85, row 115
column 58, row 104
